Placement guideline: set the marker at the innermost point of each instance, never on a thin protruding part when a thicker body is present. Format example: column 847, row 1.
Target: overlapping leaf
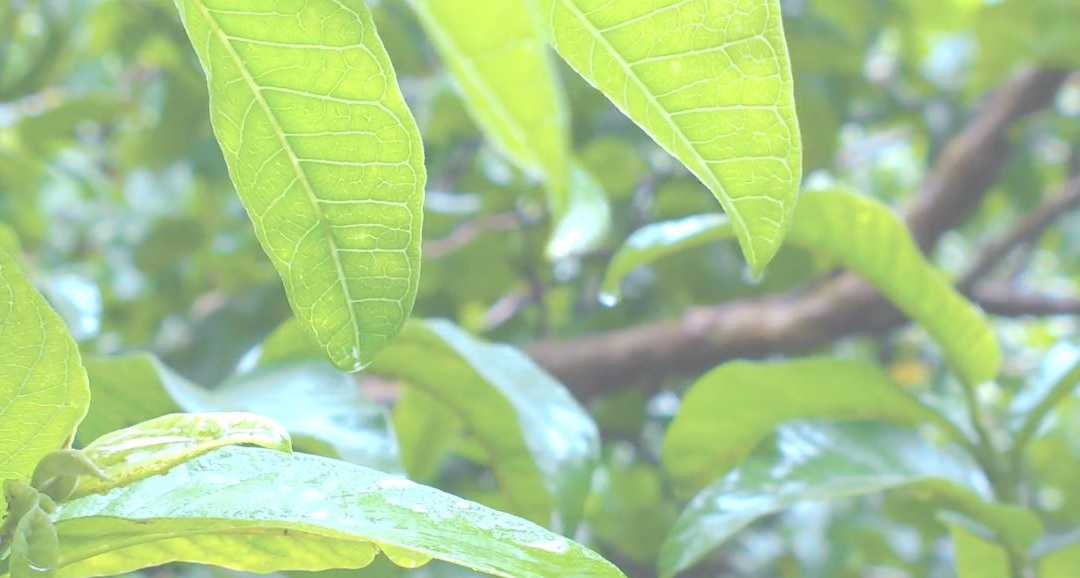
column 540, row 443
column 500, row 60
column 727, row 412
column 323, row 409
column 43, row 387
column 711, row 83
column 325, row 156
column 866, row 237
column 826, row 462
column 262, row 511
column 160, row 444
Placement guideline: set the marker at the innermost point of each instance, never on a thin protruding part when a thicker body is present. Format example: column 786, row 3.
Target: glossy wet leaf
column 323, row 409
column 541, row 445
column 813, row 462
column 263, row 511
column 158, row 445
column 500, row 61
column 727, row 412
column 708, row 81
column 325, row 156
column 864, row 236
column 585, row 223
column 35, row 549
column 43, row 387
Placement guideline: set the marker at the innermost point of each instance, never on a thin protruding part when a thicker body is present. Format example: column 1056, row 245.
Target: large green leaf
column 43, row 387
column 977, row 557
column 540, row 443
column 262, row 511
column 864, row 236
column 811, row 462
column 711, row 83
column 325, row 156
column 322, row 408
column 727, row 412
column 500, row 60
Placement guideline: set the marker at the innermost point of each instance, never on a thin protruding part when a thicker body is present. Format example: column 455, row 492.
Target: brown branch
column 1005, row 300
column 798, row 322
column 1027, row 230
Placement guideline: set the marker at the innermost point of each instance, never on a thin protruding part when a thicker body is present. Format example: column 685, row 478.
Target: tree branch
column 804, row 320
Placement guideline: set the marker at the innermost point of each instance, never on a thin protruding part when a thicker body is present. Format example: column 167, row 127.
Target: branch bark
column 797, row 322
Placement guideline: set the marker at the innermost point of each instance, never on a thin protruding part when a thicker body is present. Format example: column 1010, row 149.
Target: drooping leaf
column 586, row 221
column 322, row 408
column 540, row 443
column 325, row 156
column 262, row 511
column 43, row 387
column 35, row 548
column 869, row 239
column 811, row 462
column 727, row 412
column 500, row 61
column 158, row 445
column 711, row 83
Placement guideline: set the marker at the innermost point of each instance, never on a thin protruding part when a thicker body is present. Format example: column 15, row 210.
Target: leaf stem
column 1058, row 392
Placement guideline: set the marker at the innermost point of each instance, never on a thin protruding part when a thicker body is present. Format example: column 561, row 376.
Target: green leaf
column 43, row 387
column 811, row 462
column 35, row 548
column 325, row 156
column 709, row 82
column 586, row 221
column 426, row 430
column 501, row 64
column 158, row 445
column 977, row 557
column 262, row 511
column 864, row 236
column 542, row 446
column 323, row 409
column 727, row 412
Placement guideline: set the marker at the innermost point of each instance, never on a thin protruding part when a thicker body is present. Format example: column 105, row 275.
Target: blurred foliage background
column 111, row 178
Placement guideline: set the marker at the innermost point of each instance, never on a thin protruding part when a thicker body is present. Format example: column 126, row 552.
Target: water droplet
column 608, row 299
column 752, row 278
column 405, row 558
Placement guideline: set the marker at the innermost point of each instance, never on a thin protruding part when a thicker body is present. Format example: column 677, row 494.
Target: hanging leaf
column 499, row 59
column 43, row 387
column 727, row 412
column 865, row 237
column 261, row 511
column 325, row 156
column 586, row 221
column 540, row 443
column 710, row 82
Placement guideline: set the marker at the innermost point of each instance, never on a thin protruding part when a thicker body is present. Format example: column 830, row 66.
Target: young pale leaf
column 43, row 387
column 499, row 58
column 586, row 221
column 325, row 156
column 542, row 446
column 261, row 511
column 158, row 445
column 323, row 409
column 864, row 236
column 35, row 548
column 727, row 412
column 711, row 83
column 811, row 462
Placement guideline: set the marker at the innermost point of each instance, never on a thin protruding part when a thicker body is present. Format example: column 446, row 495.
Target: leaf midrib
column 711, row 179
column 256, row 92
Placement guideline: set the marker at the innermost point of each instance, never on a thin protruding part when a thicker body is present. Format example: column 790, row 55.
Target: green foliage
column 862, row 235
column 326, row 158
column 43, row 388
column 721, row 102
column 126, row 126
